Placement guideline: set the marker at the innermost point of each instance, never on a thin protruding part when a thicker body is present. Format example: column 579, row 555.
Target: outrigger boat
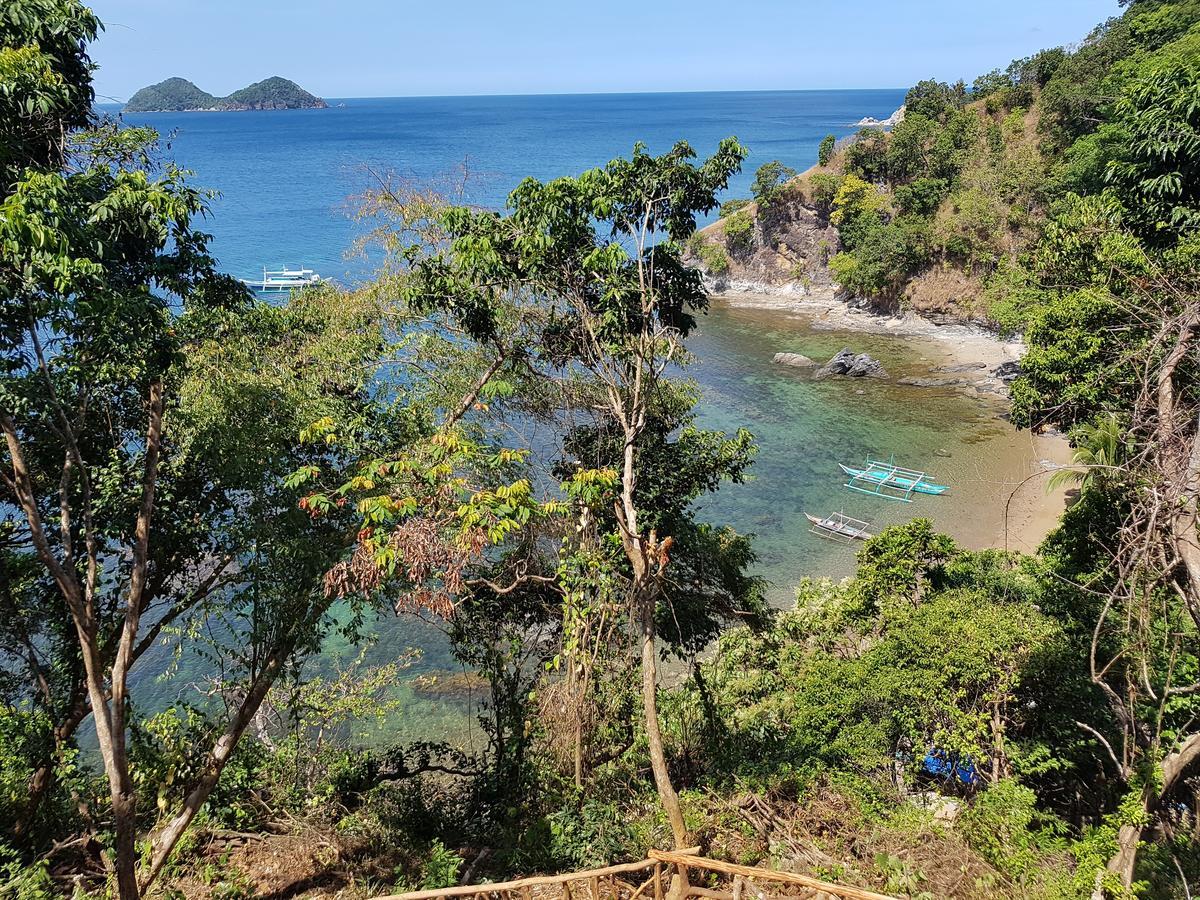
column 839, row 526
column 887, row 480
column 282, row 281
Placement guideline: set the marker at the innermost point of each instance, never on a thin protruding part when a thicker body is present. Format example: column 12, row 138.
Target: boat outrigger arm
column 890, row 481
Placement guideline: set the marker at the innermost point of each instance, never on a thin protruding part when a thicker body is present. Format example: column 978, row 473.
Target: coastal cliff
column 181, row 95
column 925, row 212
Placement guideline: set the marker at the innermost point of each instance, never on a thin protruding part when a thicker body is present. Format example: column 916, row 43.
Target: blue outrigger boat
column 887, row 480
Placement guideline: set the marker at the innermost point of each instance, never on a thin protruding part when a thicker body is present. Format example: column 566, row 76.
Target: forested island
column 188, row 469
column 180, row 95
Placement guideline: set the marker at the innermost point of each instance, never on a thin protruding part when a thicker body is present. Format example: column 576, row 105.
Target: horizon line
column 111, row 101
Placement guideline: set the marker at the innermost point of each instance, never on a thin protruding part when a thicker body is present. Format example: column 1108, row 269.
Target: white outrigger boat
column 887, row 480
column 282, row 281
column 839, row 526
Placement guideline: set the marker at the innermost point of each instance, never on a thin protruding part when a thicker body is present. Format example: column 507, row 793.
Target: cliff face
column 785, row 248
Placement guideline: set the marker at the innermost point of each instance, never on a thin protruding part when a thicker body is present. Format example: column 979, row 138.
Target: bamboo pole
column 522, row 884
column 716, row 865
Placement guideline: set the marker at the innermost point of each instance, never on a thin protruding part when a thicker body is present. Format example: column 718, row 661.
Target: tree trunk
column 1174, row 767
column 658, row 759
column 168, row 837
column 1125, row 859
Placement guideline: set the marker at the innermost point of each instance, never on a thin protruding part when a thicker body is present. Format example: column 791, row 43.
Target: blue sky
column 383, row 48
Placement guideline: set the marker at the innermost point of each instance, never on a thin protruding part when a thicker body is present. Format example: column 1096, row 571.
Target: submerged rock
column 794, row 359
column 847, row 363
column 919, row 381
column 961, row 367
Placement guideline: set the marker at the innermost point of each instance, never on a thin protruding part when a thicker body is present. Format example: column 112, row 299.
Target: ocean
column 287, row 182
column 287, row 178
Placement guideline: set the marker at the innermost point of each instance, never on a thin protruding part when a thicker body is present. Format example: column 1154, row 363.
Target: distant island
column 180, row 95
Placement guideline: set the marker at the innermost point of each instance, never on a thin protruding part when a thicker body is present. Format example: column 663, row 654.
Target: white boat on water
column 282, row 281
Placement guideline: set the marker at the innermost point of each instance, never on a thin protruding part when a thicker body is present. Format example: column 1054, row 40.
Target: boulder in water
column 794, row 359
column 846, row 362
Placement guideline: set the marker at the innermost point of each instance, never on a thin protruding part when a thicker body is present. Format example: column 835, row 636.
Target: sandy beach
column 1005, row 493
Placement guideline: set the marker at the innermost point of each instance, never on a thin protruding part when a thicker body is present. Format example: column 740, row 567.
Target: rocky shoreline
column 982, row 362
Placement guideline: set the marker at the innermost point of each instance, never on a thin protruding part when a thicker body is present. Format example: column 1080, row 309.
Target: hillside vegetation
column 180, row 95
column 935, row 214
column 188, row 474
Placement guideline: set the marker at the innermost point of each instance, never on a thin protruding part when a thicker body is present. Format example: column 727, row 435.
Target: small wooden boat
column 887, row 480
column 283, row 281
column 839, row 526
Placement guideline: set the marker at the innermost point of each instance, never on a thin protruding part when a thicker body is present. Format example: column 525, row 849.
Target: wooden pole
column 523, row 884
column 716, row 865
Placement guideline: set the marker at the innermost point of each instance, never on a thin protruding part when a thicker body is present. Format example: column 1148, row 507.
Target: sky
column 391, row 48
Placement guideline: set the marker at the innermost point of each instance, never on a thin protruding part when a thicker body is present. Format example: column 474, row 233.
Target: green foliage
column 921, row 197
column 1159, row 178
column 769, row 180
column 883, row 258
column 1006, row 827
column 45, row 80
column 934, row 100
column 438, row 870
column 825, row 150
column 739, row 232
column 714, row 257
column 24, row 882
column 824, row 189
column 729, row 207
column 867, row 156
column 857, row 209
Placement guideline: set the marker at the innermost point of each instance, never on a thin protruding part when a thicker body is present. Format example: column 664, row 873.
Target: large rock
column 1007, row 371
column 794, row 359
column 852, row 365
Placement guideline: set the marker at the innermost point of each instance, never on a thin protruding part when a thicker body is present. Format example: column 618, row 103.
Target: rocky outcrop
column 890, row 122
column 786, row 251
column 847, row 362
column 971, row 376
column 799, row 360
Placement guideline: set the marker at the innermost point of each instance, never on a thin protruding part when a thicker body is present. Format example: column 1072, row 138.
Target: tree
column 143, row 487
column 1159, row 112
column 825, row 150
column 769, row 180
column 45, row 81
column 572, row 292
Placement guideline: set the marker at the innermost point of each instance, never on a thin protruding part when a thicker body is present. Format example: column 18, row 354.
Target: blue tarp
column 951, row 766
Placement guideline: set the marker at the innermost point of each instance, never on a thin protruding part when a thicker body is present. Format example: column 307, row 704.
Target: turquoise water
column 285, row 179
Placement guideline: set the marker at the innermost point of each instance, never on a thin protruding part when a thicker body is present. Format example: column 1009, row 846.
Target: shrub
column 729, row 207
column 739, row 231
column 921, row 197
column 867, row 156
column 824, row 188
column 769, row 181
column 712, row 256
column 1005, row 827
column 825, row 151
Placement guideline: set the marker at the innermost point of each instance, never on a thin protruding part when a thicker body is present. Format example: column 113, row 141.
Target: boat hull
column 837, row 529
column 882, row 477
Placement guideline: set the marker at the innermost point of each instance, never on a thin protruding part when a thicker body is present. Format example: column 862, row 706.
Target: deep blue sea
column 287, row 180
